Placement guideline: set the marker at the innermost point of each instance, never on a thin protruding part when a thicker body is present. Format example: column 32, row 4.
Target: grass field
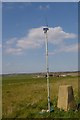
column 0, row 97
column 24, row 96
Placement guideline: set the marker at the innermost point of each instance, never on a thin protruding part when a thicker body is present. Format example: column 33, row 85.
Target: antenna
column 45, row 29
column 46, row 21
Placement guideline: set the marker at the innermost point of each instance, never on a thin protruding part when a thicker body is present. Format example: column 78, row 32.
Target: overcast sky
column 24, row 40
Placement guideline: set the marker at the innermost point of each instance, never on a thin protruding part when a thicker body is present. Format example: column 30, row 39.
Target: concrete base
column 66, row 98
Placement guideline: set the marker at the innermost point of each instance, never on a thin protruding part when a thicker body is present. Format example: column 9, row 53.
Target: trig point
column 66, row 98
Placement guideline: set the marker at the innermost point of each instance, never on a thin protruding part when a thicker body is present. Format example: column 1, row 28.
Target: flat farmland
column 24, row 96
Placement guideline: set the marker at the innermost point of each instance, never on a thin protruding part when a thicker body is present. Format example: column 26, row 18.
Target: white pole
column 47, row 71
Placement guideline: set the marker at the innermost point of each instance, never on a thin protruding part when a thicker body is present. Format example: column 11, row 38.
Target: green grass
column 25, row 96
column 0, row 97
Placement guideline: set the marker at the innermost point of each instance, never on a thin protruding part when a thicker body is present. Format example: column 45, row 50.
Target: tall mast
column 45, row 29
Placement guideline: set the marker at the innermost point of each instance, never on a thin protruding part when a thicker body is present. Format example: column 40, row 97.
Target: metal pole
column 47, row 72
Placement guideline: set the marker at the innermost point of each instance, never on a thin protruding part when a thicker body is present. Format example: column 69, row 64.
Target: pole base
column 46, row 111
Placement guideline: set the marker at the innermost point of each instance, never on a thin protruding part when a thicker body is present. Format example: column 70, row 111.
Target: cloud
column 46, row 7
column 71, row 48
column 57, row 35
column 10, row 47
column 35, row 38
column 15, row 51
column 68, row 49
column 11, row 41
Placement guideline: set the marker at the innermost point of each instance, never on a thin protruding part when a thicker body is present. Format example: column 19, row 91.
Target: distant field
column 25, row 96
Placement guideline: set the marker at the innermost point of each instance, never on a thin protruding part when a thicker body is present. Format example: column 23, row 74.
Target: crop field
column 24, row 96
